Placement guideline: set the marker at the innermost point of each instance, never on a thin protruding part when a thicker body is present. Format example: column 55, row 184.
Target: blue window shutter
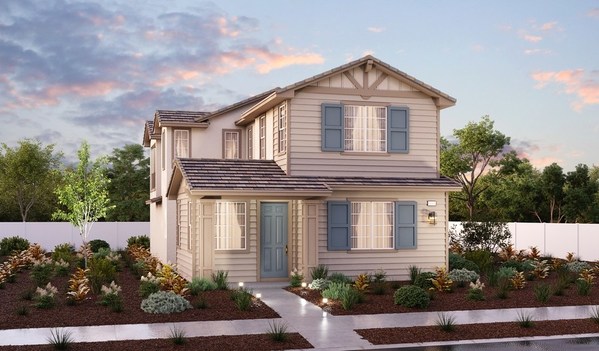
column 332, row 127
column 398, row 119
column 339, row 226
column 405, row 225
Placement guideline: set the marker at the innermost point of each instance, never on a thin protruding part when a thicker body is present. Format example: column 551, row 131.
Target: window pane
column 230, row 225
column 231, row 145
column 365, row 128
column 372, row 225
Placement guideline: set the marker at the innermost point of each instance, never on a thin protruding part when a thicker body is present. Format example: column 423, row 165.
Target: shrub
column 503, row 287
column 518, row 281
column 334, row 290
column 542, row 292
column 165, row 302
column 97, row 244
column 525, row 320
column 111, row 297
column 45, row 296
column 242, row 298
column 60, row 339
column 442, row 282
column 22, row 310
column 463, row 276
column 459, row 262
column 197, row 285
column 349, row 298
column 63, row 252
column 414, row 273
column 583, row 287
column 140, row 240
column 296, row 278
column 148, row 285
column 101, row 271
column 424, row 280
column 320, row 272
column 340, row 278
column 577, row 266
column 277, row 331
column 446, row 322
column 220, row 278
column 362, row 282
column 411, row 296
column 379, row 276
column 78, row 285
column 485, row 236
column 62, row 267
column 13, row 243
column 476, row 291
column 483, row 259
column 42, row 272
column 177, row 335
column 319, row 284
column 506, row 272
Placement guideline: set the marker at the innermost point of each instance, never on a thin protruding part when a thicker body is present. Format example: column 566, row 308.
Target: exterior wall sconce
column 432, row 217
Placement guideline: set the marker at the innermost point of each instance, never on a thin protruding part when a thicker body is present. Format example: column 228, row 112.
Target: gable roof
column 148, row 133
column 165, row 116
column 251, row 177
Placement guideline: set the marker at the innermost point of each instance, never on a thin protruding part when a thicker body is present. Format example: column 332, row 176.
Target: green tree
column 552, row 189
column 466, row 160
column 28, row 176
column 580, row 193
column 84, row 194
column 129, row 174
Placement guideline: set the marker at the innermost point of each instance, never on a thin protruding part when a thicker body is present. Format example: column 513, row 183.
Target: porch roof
column 220, row 177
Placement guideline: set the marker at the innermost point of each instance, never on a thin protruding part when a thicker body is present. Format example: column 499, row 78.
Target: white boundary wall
column 50, row 234
column 556, row 239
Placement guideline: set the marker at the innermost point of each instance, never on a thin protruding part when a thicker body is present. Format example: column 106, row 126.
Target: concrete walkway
column 322, row 330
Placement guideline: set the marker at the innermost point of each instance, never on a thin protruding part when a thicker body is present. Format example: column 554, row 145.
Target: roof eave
column 244, row 193
column 184, row 124
column 261, row 107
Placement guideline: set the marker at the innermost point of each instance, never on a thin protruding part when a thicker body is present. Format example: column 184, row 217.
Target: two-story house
column 340, row 169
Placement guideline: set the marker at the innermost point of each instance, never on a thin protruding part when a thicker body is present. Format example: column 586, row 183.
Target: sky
column 97, row 70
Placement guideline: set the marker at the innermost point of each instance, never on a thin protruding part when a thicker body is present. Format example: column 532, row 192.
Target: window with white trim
column 231, row 148
column 262, row 124
column 365, row 128
column 230, row 225
column 250, row 142
column 181, row 143
column 372, row 225
column 282, row 128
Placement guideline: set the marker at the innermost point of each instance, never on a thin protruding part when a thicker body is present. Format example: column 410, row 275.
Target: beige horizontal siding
column 184, row 263
column 431, row 240
column 305, row 141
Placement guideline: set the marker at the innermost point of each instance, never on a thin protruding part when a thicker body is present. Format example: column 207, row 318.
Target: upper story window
column 231, row 144
column 262, row 125
column 181, row 143
column 282, row 128
column 365, row 128
column 251, row 142
column 357, row 128
column 230, row 225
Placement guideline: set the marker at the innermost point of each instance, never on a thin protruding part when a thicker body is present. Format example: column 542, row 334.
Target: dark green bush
column 340, row 278
column 141, row 240
column 63, row 252
column 165, row 302
column 411, row 296
column 320, row 272
column 242, row 298
column 101, row 271
column 482, row 259
column 42, row 273
column 485, row 236
column 97, row 244
column 349, row 298
column 423, row 280
column 459, row 262
column 13, row 243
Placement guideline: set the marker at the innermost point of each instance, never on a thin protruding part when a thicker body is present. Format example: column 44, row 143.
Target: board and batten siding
column 184, row 252
column 308, row 159
column 430, row 252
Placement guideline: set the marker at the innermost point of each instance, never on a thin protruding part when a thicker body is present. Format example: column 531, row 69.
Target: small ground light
column 241, row 284
column 325, row 300
column 258, row 296
column 304, row 285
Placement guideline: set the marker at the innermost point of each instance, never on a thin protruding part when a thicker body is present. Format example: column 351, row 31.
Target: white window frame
column 231, row 144
column 230, row 225
column 250, row 142
column 365, row 128
column 373, row 227
column 181, row 143
column 262, row 126
column 282, row 128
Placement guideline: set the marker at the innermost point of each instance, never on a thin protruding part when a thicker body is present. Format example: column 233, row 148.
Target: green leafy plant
column 148, row 285
column 463, row 276
column 296, row 278
column 595, row 314
column 320, row 272
column 12, row 244
column 42, row 271
column 542, row 292
column 197, row 285
column 485, row 236
column 525, row 320
column 424, row 280
column 339, row 278
column 446, row 322
column 503, row 287
column 457, row 261
column 62, row 267
column 411, row 296
column 97, row 244
column 380, row 276
column 414, row 273
column 242, row 298
column 577, row 266
column 482, row 259
column 165, row 302
column 177, row 335
column 362, row 282
column 277, row 331
column 45, row 296
column 319, row 284
column 60, row 339
column 101, row 271
column 220, row 278
column 334, row 290
column 22, row 310
column 583, row 287
column 140, row 240
column 111, row 297
column 349, row 298
column 476, row 291
column 442, row 282
column 63, row 252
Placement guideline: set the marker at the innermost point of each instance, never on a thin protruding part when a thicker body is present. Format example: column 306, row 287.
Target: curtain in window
column 365, row 128
column 182, row 143
column 231, row 145
column 230, row 227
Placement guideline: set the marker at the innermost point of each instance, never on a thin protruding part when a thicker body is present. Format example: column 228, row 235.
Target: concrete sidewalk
column 322, row 330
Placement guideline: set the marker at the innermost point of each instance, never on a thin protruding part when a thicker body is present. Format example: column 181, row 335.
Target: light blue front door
column 273, row 240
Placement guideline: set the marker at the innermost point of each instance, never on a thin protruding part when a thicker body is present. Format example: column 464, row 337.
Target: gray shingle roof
column 266, row 175
column 179, row 116
column 150, row 125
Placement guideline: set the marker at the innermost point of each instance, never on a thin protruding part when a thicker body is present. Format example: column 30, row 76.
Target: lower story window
column 372, row 225
column 230, row 225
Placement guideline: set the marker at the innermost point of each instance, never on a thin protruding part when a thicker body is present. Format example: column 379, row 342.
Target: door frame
column 259, row 240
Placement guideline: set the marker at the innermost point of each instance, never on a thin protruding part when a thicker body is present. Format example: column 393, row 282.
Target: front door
column 273, row 240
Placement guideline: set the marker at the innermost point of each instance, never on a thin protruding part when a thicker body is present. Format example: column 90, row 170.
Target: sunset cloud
column 548, row 26
column 593, row 12
column 376, row 29
column 576, row 82
column 271, row 61
column 532, row 38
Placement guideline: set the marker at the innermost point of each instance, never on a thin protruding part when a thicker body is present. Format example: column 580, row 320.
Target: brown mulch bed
column 89, row 312
column 220, row 343
column 381, row 336
column 457, row 300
